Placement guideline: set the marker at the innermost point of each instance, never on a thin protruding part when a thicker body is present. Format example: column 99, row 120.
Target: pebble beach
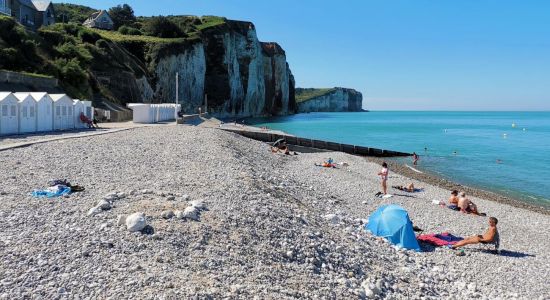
column 222, row 217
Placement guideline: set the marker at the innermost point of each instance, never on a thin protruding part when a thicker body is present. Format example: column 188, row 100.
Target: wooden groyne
column 317, row 144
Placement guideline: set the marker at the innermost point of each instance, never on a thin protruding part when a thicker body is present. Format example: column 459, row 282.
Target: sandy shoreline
column 275, row 227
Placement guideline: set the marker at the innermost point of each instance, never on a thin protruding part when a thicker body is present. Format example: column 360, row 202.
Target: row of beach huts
column 39, row 112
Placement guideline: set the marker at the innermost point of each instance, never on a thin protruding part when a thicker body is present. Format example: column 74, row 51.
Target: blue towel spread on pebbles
column 51, row 192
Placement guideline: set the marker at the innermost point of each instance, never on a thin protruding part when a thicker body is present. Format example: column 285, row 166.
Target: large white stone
column 192, row 213
column 198, row 204
column 94, row 211
column 104, row 205
column 135, row 222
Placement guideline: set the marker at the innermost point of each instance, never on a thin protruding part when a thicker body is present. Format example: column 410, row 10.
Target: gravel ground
column 274, row 226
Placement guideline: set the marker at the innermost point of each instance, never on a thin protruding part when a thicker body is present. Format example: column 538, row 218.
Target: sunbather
column 491, row 236
column 467, row 206
column 454, row 198
column 409, row 188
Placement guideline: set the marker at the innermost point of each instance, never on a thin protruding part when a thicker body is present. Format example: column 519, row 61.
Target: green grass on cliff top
column 307, row 94
column 210, row 21
column 119, row 37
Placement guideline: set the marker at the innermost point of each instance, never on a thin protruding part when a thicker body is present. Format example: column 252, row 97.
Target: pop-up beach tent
column 392, row 222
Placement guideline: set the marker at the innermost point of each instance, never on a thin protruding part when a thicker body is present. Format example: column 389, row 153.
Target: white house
column 27, row 112
column 100, row 19
column 9, row 123
column 63, row 116
column 44, row 111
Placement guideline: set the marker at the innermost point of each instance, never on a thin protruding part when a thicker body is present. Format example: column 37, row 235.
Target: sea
column 503, row 152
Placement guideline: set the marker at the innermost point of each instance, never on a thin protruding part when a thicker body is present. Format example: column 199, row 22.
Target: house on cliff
column 101, row 20
column 31, row 13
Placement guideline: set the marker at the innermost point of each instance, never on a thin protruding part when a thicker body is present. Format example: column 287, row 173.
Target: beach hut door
column 8, row 117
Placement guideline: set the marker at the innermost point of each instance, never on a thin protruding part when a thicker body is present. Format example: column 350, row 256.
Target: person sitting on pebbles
column 453, row 200
column 466, row 206
column 490, row 236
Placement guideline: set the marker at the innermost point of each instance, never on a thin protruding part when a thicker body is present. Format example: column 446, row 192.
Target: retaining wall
column 20, row 78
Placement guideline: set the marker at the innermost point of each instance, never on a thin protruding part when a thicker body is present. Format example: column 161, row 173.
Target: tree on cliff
column 122, row 15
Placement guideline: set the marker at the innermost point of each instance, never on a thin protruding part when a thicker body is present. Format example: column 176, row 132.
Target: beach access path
column 276, row 226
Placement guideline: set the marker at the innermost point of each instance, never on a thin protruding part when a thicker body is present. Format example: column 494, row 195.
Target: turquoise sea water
column 461, row 146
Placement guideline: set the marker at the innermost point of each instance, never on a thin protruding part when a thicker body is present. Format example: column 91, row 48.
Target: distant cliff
column 328, row 100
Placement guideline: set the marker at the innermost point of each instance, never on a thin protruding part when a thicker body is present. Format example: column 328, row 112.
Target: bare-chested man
column 488, row 237
column 454, row 198
column 465, row 205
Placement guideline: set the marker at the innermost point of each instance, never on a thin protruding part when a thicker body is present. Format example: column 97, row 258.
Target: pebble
column 191, row 212
column 94, row 211
column 135, row 222
column 104, row 205
column 167, row 214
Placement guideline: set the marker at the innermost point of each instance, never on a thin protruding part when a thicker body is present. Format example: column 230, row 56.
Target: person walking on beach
column 415, row 158
column 490, row 236
column 384, row 176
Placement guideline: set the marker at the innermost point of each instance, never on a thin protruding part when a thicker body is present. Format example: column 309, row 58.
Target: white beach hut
column 27, row 112
column 44, row 111
column 9, row 123
column 62, row 112
column 88, row 109
column 78, row 109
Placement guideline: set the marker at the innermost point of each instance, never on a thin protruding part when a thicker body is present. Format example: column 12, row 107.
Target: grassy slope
column 70, row 52
column 308, row 94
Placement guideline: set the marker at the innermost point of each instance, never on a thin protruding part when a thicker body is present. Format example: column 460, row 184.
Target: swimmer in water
column 455, row 153
column 499, row 161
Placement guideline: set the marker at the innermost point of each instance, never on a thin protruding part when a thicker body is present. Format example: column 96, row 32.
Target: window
column 64, row 110
column 13, row 110
column 57, row 111
column 24, row 111
column 4, row 110
column 31, row 112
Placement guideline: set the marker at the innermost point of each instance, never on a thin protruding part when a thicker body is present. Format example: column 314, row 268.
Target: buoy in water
column 513, row 125
column 504, row 135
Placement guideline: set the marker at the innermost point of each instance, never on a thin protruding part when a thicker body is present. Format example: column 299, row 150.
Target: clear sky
column 401, row 54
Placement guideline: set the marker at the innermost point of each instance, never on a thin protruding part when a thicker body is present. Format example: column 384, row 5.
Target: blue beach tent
column 393, row 223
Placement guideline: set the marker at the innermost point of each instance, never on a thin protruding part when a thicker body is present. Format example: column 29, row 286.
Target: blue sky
column 401, row 54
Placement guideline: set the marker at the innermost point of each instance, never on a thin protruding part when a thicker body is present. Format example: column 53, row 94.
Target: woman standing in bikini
column 384, row 176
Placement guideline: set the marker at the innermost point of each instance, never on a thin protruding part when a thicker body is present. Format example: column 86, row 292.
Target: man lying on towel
column 491, row 236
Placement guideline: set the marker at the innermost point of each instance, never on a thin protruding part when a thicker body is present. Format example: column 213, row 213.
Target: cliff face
column 240, row 75
column 331, row 100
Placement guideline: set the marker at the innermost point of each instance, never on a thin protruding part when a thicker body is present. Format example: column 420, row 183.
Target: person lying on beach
column 384, row 177
column 410, row 188
column 490, row 236
column 329, row 163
